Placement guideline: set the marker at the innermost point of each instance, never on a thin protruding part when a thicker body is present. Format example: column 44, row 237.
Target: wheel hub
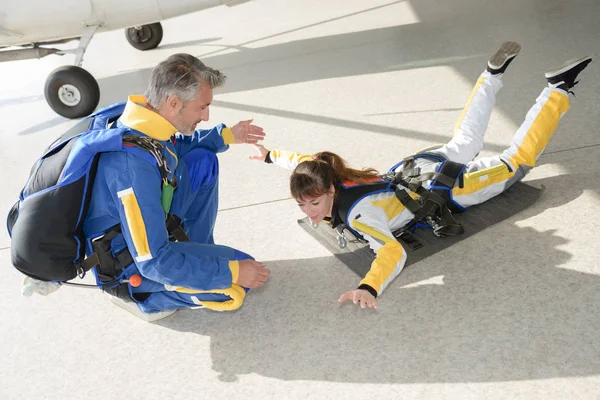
column 69, row 95
column 140, row 34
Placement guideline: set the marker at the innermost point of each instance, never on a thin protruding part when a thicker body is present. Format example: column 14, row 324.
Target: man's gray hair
column 182, row 75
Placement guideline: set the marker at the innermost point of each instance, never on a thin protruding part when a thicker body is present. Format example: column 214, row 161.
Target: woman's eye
column 315, row 204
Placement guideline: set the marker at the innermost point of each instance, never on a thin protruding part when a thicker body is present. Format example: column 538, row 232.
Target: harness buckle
column 407, row 237
column 436, row 223
column 342, row 241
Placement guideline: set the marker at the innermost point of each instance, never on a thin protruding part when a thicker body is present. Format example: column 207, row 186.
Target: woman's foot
column 564, row 76
column 498, row 63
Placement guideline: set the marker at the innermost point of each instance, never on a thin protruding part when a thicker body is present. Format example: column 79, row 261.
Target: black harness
column 435, row 206
column 433, row 209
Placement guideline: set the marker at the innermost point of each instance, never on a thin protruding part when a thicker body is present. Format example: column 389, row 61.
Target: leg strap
column 434, row 207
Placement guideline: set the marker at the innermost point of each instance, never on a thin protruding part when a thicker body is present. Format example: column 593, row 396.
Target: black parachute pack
column 46, row 223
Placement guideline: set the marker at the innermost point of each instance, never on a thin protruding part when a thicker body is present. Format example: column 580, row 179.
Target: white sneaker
column 131, row 307
column 43, row 288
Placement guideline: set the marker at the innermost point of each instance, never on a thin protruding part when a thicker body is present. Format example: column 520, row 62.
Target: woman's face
column 317, row 208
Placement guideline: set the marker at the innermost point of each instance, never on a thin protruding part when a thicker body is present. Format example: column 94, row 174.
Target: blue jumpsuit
column 127, row 191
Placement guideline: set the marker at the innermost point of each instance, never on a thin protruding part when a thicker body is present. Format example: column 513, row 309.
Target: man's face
column 188, row 115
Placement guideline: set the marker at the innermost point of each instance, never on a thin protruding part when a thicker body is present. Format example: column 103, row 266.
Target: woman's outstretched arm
column 372, row 223
column 285, row 159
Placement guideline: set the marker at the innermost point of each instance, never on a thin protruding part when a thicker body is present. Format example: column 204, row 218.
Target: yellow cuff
column 234, row 266
column 236, row 293
column 227, row 135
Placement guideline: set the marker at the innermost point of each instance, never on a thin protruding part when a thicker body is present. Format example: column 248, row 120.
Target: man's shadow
column 498, row 306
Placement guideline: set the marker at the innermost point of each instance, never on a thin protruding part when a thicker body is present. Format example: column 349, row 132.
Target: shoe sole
column 506, row 51
column 132, row 308
column 567, row 66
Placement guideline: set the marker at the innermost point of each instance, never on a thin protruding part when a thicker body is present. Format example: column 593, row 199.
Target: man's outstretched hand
column 246, row 132
column 252, row 274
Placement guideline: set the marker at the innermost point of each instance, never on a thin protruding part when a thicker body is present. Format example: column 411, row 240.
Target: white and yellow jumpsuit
column 377, row 215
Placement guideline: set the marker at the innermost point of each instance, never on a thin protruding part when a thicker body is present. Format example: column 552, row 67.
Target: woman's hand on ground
column 360, row 296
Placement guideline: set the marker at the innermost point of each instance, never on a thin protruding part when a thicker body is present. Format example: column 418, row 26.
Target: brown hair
column 314, row 178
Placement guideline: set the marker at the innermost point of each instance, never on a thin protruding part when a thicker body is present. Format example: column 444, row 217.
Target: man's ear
column 173, row 104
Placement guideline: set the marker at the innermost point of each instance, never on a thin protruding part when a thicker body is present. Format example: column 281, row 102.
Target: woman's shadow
column 495, row 307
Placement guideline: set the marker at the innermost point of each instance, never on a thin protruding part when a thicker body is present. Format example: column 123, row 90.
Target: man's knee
column 203, row 168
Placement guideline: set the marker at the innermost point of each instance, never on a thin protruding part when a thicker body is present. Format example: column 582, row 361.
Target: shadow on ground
column 495, row 307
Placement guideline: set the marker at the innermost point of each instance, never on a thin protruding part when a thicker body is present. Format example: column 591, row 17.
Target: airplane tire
column 145, row 37
column 72, row 92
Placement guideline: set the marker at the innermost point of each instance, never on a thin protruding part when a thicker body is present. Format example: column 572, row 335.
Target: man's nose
column 205, row 114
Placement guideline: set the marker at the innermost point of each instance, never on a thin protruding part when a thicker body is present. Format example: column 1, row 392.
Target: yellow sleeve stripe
column 290, row 155
column 464, row 111
column 227, row 135
column 384, row 265
column 135, row 222
column 387, row 258
column 374, row 233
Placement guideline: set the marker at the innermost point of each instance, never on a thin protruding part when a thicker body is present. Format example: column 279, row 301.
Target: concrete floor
column 507, row 314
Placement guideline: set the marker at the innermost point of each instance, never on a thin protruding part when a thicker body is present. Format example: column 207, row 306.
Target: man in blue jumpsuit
column 127, row 191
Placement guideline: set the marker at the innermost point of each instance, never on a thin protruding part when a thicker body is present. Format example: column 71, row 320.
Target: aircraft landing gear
column 72, row 92
column 145, row 37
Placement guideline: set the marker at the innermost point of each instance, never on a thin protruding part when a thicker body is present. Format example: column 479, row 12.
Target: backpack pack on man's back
column 46, row 224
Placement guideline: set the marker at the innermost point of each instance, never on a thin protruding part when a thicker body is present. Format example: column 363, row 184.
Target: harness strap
column 452, row 227
column 107, row 263
column 408, row 202
column 445, row 180
column 407, row 237
column 174, row 228
column 413, row 182
column 153, row 147
column 87, row 264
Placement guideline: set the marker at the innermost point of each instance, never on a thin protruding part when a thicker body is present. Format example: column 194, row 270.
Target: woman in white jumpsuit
column 315, row 182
